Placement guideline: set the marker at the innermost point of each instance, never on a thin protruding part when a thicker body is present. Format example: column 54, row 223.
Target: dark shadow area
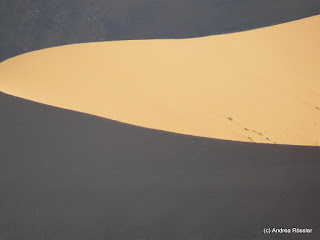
column 71, row 176
column 27, row 25
column 67, row 175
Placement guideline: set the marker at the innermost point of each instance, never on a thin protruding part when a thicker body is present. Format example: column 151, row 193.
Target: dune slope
column 261, row 85
column 28, row 25
column 68, row 175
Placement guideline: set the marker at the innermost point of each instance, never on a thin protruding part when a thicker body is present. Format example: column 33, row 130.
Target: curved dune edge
column 256, row 86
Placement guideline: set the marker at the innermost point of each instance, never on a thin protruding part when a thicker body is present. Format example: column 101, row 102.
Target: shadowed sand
column 261, row 85
column 28, row 25
column 68, row 175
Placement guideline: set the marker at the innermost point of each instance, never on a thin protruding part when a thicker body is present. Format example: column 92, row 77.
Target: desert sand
column 68, row 175
column 255, row 86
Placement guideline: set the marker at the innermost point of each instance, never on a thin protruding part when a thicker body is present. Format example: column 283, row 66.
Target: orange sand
column 261, row 85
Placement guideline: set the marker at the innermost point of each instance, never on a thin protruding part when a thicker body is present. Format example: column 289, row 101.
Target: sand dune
column 28, row 25
column 261, row 85
column 67, row 175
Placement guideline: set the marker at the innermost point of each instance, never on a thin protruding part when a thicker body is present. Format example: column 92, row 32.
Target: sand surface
column 68, row 175
column 261, row 85
column 28, row 25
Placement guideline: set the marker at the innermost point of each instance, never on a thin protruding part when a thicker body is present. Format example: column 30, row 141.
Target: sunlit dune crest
column 256, row 86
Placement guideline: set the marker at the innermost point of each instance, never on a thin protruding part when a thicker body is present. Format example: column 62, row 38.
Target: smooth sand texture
column 261, row 85
column 71, row 176
column 28, row 25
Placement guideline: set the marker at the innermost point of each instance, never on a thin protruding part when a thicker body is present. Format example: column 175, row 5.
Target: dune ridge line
column 260, row 86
